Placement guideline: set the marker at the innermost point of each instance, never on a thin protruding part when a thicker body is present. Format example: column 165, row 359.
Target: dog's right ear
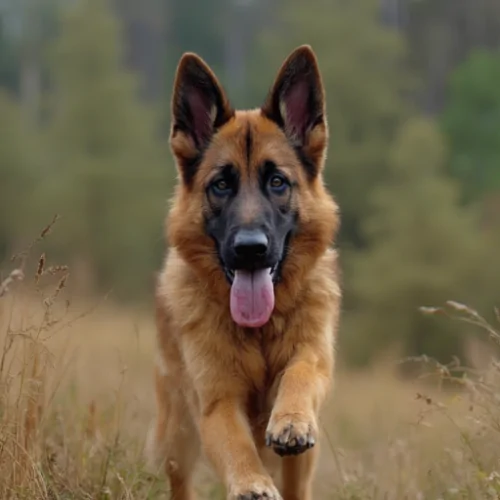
column 199, row 108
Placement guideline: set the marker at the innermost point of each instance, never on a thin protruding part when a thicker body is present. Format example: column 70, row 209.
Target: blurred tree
column 16, row 175
column 471, row 122
column 144, row 37
column 9, row 70
column 108, row 176
column 223, row 32
column 363, row 68
column 30, row 25
column 424, row 250
column 440, row 35
column 196, row 26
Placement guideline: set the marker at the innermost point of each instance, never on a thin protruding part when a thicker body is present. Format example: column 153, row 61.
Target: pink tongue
column 252, row 297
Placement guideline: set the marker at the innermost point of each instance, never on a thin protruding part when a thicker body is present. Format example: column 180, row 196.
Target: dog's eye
column 278, row 184
column 221, row 187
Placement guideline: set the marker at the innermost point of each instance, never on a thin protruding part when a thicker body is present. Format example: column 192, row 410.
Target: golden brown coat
column 223, row 389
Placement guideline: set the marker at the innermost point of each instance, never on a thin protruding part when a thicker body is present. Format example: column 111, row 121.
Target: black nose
column 250, row 243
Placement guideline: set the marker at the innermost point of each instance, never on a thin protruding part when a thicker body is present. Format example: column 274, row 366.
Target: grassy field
column 76, row 402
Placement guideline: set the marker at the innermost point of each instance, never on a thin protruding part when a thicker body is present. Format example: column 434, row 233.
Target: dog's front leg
column 228, row 444
column 293, row 425
column 218, row 369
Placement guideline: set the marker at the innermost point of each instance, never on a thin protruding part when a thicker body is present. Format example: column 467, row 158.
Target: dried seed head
column 430, row 310
column 61, row 284
column 15, row 275
column 457, row 306
column 46, row 230
column 56, row 270
column 40, row 268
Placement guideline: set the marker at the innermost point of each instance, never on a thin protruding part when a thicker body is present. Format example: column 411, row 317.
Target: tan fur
column 219, row 387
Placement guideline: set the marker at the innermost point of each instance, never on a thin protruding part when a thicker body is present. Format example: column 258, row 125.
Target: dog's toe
column 290, row 435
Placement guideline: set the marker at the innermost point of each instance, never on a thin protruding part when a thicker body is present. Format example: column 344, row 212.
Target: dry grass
column 76, row 402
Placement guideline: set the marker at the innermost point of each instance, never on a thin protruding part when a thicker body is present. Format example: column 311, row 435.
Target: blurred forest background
column 413, row 91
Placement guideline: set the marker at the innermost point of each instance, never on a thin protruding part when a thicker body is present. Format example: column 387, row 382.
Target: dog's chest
column 265, row 383
column 273, row 352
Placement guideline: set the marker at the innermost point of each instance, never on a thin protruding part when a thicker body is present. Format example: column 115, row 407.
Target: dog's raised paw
column 290, row 435
column 257, row 490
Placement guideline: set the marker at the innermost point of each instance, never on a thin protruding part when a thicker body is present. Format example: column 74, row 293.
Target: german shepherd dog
column 247, row 301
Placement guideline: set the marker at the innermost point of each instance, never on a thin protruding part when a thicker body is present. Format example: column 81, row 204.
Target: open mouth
column 252, row 291
column 273, row 271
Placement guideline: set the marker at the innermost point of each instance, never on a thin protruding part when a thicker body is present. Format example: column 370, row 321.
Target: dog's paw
column 261, row 488
column 291, row 434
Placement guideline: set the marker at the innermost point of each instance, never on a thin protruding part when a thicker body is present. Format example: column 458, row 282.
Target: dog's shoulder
column 325, row 277
column 320, row 296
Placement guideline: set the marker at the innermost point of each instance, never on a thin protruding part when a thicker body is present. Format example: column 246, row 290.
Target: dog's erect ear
column 296, row 102
column 199, row 107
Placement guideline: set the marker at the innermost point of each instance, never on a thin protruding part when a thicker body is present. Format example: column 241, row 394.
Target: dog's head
column 250, row 204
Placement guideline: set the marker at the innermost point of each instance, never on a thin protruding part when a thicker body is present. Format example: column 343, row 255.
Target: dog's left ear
column 296, row 102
